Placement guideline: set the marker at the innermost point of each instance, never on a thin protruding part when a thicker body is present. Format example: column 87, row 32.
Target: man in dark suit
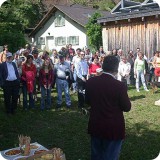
column 9, row 81
column 108, row 99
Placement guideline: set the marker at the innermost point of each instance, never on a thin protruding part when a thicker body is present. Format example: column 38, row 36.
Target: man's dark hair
column 78, row 49
column 35, row 51
column 110, row 64
column 29, row 56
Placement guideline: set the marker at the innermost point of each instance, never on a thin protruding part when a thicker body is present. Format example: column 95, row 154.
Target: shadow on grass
column 142, row 143
column 137, row 97
column 66, row 129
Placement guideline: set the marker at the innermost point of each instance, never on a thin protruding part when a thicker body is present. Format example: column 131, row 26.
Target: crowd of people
column 28, row 71
column 68, row 70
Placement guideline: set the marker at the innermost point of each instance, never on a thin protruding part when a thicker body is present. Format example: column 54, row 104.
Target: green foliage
column 27, row 12
column 82, row 2
column 107, row 5
column 100, row 4
column 15, row 17
column 13, row 39
column 94, row 31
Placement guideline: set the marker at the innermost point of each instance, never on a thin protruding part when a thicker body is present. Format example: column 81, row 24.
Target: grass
column 68, row 129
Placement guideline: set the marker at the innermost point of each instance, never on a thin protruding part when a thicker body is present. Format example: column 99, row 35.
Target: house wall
column 130, row 35
column 71, row 28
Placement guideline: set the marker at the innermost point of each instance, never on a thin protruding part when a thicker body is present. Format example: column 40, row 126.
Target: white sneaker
column 147, row 90
column 138, row 90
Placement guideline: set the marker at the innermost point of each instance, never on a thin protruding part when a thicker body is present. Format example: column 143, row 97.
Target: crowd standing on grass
column 68, row 71
column 97, row 78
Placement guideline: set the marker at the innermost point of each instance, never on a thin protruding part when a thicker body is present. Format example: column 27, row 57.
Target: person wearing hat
column 10, row 83
column 61, row 71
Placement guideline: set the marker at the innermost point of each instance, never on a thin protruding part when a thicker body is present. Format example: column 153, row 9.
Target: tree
column 15, row 17
column 106, row 5
column 94, row 31
column 100, row 4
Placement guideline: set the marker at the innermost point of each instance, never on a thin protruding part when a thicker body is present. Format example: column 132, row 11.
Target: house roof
column 77, row 13
column 130, row 6
column 129, row 15
column 126, row 4
column 148, row 1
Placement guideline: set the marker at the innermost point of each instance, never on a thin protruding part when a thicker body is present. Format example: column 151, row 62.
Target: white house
column 63, row 25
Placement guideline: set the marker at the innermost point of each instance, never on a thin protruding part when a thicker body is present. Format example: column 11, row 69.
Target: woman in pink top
column 93, row 66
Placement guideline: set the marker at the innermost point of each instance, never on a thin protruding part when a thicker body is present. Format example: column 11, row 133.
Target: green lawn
column 68, row 129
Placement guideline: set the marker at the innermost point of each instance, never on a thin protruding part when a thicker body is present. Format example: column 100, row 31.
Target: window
column 60, row 41
column 41, row 41
column 59, row 21
column 74, row 40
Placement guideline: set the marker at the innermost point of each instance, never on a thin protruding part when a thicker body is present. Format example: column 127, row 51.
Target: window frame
column 57, row 41
column 73, row 42
column 60, row 21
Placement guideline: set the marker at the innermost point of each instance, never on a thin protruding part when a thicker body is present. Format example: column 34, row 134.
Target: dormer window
column 59, row 21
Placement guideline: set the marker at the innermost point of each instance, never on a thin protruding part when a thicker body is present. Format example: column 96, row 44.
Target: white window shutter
column 63, row 40
column 68, row 40
column 55, row 41
column 39, row 40
column 42, row 40
column 63, row 21
column 77, row 40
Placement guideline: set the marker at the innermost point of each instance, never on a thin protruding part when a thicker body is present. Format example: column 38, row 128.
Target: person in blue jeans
column 46, row 80
column 62, row 72
column 25, row 101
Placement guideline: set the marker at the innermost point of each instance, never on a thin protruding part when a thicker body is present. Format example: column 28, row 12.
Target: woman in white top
column 139, row 71
column 124, row 70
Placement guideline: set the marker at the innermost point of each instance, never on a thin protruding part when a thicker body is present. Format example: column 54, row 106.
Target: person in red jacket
column 28, row 80
column 46, row 80
column 93, row 66
column 108, row 99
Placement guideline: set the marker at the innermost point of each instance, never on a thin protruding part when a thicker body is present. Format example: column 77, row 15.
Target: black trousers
column 81, row 85
column 11, row 93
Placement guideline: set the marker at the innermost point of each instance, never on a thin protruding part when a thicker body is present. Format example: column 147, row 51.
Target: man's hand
column 83, row 79
column 45, row 86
